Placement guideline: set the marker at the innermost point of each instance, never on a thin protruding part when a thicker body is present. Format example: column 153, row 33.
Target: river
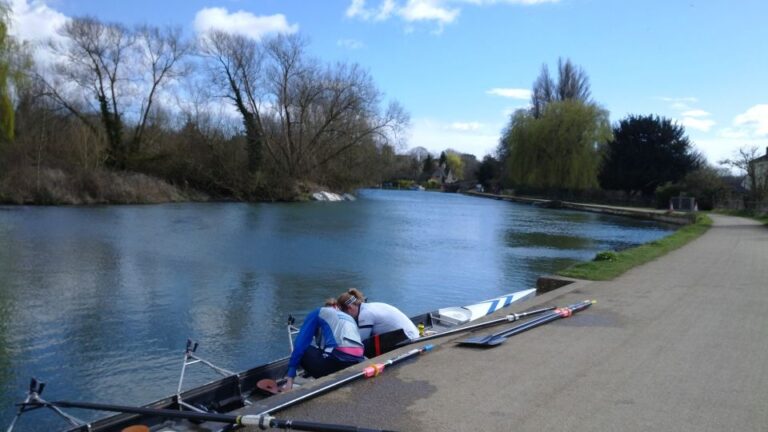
column 99, row 301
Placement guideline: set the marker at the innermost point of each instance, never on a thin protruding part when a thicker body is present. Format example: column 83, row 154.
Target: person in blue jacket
column 336, row 344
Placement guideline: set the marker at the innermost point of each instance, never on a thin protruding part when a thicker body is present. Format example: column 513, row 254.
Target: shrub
column 606, row 256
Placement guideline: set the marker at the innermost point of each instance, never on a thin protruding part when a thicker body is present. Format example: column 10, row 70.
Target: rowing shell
column 240, row 390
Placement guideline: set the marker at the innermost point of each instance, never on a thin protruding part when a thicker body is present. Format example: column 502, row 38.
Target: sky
column 461, row 67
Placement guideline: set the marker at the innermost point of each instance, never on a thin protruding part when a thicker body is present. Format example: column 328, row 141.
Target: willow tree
column 558, row 150
column 14, row 62
column 556, row 143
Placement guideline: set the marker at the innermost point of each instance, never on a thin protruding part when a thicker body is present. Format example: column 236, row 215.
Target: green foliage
column 14, row 63
column 558, row 150
column 605, row 256
column 405, row 184
column 627, row 259
column 429, row 165
column 455, row 164
column 488, row 172
column 646, row 152
column 704, row 184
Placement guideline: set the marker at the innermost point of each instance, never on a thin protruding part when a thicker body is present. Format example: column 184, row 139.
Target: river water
column 99, row 301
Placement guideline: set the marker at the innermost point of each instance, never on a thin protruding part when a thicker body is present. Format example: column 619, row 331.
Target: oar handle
column 266, row 422
column 262, row 421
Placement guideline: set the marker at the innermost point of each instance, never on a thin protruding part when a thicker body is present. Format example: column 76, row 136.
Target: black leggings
column 318, row 363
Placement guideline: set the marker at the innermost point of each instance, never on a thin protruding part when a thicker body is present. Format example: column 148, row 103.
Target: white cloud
column 514, row 93
column 243, row 23
column 703, row 125
column 512, row 2
column 691, row 118
column 679, row 103
column 440, row 11
column 686, row 99
column 428, row 10
column 466, row 126
column 749, row 129
column 357, row 9
column 352, row 44
column 696, row 113
column 477, row 139
column 754, row 120
column 36, row 23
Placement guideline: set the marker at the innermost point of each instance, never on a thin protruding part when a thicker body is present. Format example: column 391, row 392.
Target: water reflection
column 99, row 301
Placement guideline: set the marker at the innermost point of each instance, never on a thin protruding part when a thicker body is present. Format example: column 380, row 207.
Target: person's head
column 331, row 302
column 350, row 301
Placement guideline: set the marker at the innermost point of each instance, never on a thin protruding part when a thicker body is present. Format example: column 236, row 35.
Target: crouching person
column 328, row 341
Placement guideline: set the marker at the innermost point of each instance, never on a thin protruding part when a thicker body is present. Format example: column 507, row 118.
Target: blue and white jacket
column 331, row 328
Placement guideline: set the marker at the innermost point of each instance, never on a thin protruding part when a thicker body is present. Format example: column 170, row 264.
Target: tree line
column 224, row 114
column 145, row 114
column 564, row 145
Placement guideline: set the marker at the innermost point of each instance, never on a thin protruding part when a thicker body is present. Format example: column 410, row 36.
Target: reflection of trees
column 6, row 311
column 547, row 240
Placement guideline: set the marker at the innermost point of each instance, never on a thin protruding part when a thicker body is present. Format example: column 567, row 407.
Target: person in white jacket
column 375, row 318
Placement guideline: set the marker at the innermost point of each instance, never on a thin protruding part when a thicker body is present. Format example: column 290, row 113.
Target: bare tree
column 744, row 160
column 94, row 56
column 160, row 53
column 330, row 110
column 301, row 114
column 572, row 84
column 235, row 63
column 543, row 92
column 116, row 73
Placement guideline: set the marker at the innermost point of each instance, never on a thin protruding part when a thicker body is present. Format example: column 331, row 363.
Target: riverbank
column 674, row 344
column 49, row 186
column 666, row 216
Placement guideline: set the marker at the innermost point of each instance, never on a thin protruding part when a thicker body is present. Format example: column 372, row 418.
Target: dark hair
column 353, row 296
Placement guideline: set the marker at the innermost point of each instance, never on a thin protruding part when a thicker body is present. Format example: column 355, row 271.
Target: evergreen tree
column 646, row 152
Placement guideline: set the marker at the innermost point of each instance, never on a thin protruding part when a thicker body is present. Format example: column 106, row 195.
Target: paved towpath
column 678, row 344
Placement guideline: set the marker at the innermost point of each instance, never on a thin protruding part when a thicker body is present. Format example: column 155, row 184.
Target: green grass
column 609, row 265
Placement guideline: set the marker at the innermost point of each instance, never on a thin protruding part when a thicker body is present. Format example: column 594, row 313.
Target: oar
column 368, row 372
column 262, row 421
column 498, row 338
column 506, row 319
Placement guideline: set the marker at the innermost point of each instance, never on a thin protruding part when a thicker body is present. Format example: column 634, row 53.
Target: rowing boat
column 239, row 390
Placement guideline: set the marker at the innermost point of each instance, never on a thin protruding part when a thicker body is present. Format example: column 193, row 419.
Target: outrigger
column 238, row 390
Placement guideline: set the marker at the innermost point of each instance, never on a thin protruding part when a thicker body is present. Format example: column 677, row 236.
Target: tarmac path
column 678, row 344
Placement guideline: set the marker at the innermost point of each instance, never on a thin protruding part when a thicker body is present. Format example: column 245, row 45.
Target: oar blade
column 483, row 341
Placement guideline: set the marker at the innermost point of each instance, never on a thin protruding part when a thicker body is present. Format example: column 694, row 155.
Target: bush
column 704, row 184
column 606, row 256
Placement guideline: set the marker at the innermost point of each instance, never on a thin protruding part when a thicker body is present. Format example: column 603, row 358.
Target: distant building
column 443, row 175
column 758, row 166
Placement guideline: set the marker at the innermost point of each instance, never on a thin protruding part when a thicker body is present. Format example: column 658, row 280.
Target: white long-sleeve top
column 377, row 318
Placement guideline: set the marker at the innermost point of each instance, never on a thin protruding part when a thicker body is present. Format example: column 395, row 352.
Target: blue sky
column 460, row 67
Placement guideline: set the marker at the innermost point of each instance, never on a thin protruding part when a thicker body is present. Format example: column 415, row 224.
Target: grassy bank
column 608, row 265
column 48, row 186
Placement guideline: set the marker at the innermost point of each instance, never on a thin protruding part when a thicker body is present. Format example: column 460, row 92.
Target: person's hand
column 288, row 384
